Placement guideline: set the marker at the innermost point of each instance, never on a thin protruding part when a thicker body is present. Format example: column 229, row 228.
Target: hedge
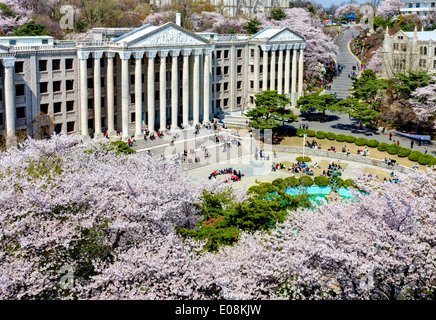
column 320, row 134
column 305, row 159
column 348, row 183
column 321, row 181
column 361, row 142
column 292, row 182
column 414, row 155
column 383, row 146
column 310, row 133
column 372, row 143
column 393, row 149
column 331, row 136
column 306, row 181
column 340, row 137
column 432, row 162
column 350, row 139
column 279, row 183
column 425, row 159
column 404, row 152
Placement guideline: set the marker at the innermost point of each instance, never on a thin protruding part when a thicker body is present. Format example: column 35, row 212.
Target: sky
column 328, row 3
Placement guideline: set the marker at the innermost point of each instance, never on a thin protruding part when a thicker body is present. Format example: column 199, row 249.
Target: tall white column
column 265, row 68
column 206, row 92
column 110, row 94
column 272, row 84
column 287, row 72
column 280, row 72
column 125, row 92
column 300, row 73
column 256, row 69
column 83, row 69
column 174, row 88
column 196, row 87
column 150, row 89
column 294, row 78
column 138, row 93
column 163, row 90
column 97, row 94
column 186, row 54
column 11, row 138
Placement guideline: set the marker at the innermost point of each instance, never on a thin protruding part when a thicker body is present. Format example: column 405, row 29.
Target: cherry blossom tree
column 375, row 61
column 346, row 10
column 14, row 13
column 424, row 101
column 389, row 8
column 78, row 221
column 160, row 18
column 216, row 22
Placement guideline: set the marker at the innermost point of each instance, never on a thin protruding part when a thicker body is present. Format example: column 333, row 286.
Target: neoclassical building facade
column 149, row 77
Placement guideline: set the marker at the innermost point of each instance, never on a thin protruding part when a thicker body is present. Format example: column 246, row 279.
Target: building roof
column 423, row 35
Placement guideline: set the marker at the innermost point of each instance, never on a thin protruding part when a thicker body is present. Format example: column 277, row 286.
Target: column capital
column 151, row 54
column 274, row 47
column 296, row 46
column 8, row 62
column 124, row 55
column 138, row 54
column 186, row 52
column 163, row 53
column 302, row 46
column 282, row 47
column 265, row 47
column 208, row 50
column 97, row 54
column 289, row 46
column 175, row 53
column 197, row 52
column 110, row 54
column 83, row 55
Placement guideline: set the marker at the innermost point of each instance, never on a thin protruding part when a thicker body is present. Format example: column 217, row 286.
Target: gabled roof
column 423, row 35
column 167, row 34
column 272, row 34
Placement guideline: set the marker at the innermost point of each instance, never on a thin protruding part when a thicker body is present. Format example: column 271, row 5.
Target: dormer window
column 12, row 42
column 44, row 41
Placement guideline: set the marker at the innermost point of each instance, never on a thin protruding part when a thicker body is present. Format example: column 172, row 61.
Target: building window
column 91, row 103
column 19, row 67
column 238, row 101
column 12, row 42
column 69, row 64
column 132, row 98
column 70, row 105
column 1, row 119
column 252, row 53
column 239, row 69
column 70, row 126
column 90, row 83
column 44, row 108
column 56, row 86
column 57, row 107
column 69, row 84
column 404, row 47
column 251, row 99
column 434, row 64
column 423, row 51
column 56, row 64
column 21, row 112
column 226, row 71
column 42, row 65
column 44, row 41
column 226, row 86
column 19, row 90
column 239, row 53
column 132, row 79
column 218, row 87
column 252, row 69
column 90, row 63
column 422, row 63
column 251, row 84
column 260, row 69
column 218, row 71
column 226, row 54
column 1, row 95
column 218, row 104
column 218, row 54
column 226, row 102
column 43, row 87
column 132, row 117
column 395, row 46
column 239, row 85
column 90, row 123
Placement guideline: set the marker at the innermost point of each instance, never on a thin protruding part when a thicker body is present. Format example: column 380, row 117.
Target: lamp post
column 304, row 142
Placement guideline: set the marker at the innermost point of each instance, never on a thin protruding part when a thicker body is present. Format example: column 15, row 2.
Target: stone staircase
column 235, row 121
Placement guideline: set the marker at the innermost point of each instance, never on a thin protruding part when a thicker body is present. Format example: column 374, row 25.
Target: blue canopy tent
column 351, row 16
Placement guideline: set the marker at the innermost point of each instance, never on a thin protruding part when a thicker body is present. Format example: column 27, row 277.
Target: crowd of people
column 300, row 167
column 234, row 175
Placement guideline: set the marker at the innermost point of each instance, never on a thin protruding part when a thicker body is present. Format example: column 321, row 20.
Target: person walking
column 390, row 135
column 411, row 144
